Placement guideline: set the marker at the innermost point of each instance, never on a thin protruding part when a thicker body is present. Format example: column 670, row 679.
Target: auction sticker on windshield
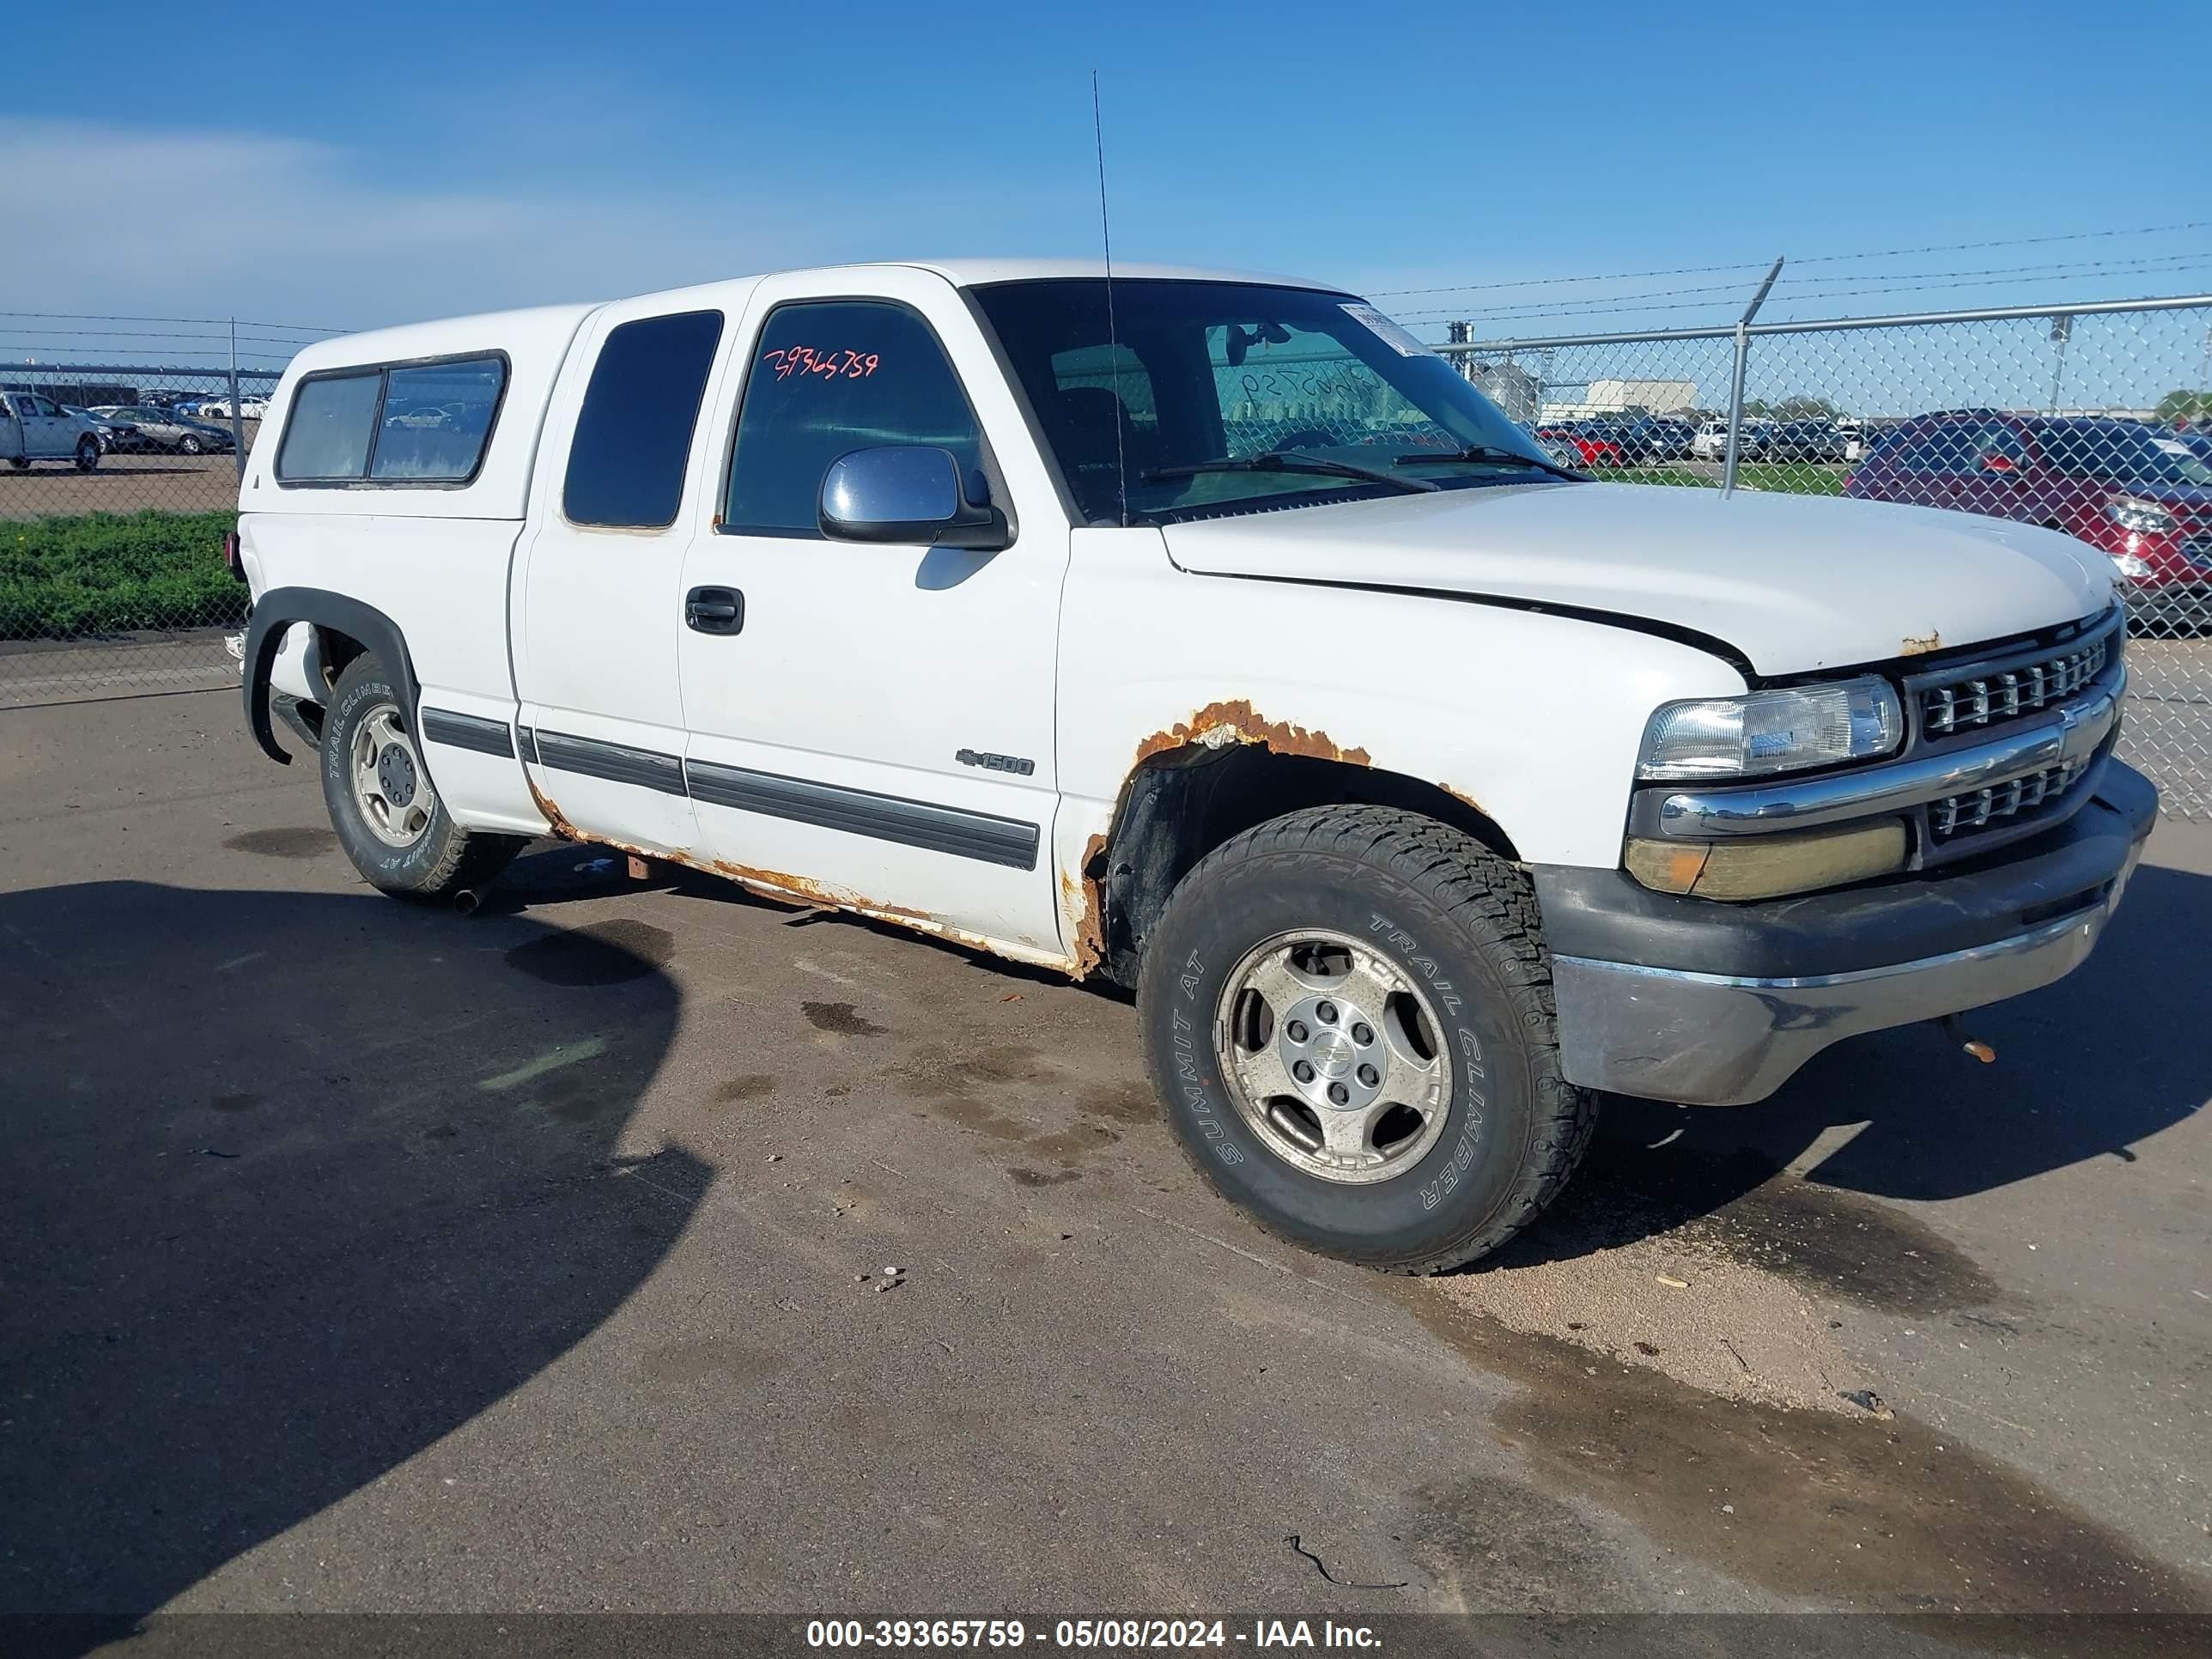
column 1388, row 332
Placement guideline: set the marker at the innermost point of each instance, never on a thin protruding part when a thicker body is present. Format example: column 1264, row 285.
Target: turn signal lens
column 1768, row 867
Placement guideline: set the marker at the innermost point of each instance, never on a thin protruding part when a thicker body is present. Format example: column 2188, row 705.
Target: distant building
column 1659, row 397
column 1511, row 388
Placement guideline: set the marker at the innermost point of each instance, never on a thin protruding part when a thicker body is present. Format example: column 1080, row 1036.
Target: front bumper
column 1717, row 1005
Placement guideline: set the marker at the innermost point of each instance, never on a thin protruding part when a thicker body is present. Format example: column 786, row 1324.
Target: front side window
column 633, row 441
column 826, row 378
column 1185, row 375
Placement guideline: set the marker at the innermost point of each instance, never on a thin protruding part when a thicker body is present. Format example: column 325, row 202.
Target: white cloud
column 106, row 218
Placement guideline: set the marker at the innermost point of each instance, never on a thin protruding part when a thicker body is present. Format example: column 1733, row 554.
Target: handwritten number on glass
column 832, row 365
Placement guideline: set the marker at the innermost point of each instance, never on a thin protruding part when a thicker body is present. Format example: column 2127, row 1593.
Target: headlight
column 1764, row 731
column 2144, row 518
column 2133, row 567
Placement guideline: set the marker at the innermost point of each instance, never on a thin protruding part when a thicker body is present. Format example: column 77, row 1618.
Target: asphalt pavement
column 635, row 1244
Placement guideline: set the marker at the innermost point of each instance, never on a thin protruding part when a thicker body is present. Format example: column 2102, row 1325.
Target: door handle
column 715, row 610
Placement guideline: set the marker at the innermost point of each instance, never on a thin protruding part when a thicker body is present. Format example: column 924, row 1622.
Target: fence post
column 1735, row 387
column 237, row 423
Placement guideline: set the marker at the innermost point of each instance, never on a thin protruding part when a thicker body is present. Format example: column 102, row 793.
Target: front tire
column 1348, row 1014
column 382, row 804
column 188, row 445
column 88, row 454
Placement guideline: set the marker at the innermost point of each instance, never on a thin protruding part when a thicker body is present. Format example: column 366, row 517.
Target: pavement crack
column 1322, row 1567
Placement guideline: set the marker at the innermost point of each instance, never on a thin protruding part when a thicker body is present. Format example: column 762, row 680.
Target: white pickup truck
column 1209, row 635
column 34, row 428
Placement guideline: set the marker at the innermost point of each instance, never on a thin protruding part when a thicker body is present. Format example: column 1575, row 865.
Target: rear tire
column 382, row 804
column 1465, row 1130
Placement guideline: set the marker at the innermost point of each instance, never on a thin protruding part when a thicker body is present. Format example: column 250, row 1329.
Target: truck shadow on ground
column 2087, row 1068
column 294, row 1185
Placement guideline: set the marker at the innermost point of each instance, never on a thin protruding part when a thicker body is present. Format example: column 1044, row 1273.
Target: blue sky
column 349, row 167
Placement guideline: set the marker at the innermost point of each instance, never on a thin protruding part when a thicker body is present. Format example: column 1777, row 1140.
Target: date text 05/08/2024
column 1086, row 1634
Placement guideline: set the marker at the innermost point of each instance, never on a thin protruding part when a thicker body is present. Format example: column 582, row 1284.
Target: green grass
column 1784, row 477
column 106, row 572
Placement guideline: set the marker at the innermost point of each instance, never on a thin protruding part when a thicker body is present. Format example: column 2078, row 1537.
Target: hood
column 1792, row 583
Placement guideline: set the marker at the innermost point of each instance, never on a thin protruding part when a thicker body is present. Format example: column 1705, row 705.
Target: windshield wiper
column 1285, row 460
column 1490, row 454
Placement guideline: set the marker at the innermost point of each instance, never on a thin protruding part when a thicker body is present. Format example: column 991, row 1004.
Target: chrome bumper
column 1716, row 1040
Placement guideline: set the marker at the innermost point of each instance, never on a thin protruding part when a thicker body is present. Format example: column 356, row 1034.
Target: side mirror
column 905, row 493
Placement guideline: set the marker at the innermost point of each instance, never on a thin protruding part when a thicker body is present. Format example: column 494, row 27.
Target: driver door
column 875, row 718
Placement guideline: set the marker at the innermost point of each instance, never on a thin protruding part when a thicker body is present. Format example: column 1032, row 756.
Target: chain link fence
column 121, row 444
column 2095, row 418
column 2092, row 419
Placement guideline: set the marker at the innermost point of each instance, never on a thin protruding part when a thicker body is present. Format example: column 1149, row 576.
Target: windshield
column 1193, row 373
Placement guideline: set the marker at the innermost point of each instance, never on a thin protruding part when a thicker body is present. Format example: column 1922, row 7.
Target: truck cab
column 1205, row 634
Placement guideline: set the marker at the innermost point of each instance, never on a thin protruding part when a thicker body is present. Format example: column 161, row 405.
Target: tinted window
column 633, row 435
column 830, row 377
column 436, row 418
column 333, row 422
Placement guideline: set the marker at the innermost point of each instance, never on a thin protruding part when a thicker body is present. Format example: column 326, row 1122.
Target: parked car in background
column 1561, row 447
column 1805, row 441
column 1710, row 441
column 164, row 430
column 1670, row 439
column 1587, row 448
column 34, row 428
column 115, row 435
column 252, row 409
column 1632, row 435
column 2140, row 494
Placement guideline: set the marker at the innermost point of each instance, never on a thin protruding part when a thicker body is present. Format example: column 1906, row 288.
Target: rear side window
column 412, row 423
column 332, row 428
column 828, row 377
column 632, row 438
column 436, row 418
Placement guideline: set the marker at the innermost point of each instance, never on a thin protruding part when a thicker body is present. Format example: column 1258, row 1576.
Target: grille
column 1992, row 697
column 2197, row 549
column 1979, row 809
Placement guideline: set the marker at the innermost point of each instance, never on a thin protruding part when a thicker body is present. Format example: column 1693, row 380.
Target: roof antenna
column 1113, row 337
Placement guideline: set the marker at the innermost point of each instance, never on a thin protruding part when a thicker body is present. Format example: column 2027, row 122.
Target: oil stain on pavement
column 285, row 844
column 840, row 1018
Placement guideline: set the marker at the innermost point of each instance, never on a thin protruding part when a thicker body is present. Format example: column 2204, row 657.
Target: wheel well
column 337, row 650
column 1183, row 804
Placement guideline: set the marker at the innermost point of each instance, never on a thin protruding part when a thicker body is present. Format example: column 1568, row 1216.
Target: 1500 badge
column 1013, row 763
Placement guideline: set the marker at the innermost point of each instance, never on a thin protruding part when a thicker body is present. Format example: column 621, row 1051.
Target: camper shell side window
column 422, row 424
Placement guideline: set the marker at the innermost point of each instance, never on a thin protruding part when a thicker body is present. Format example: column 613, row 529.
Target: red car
column 2135, row 492
column 1594, row 451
